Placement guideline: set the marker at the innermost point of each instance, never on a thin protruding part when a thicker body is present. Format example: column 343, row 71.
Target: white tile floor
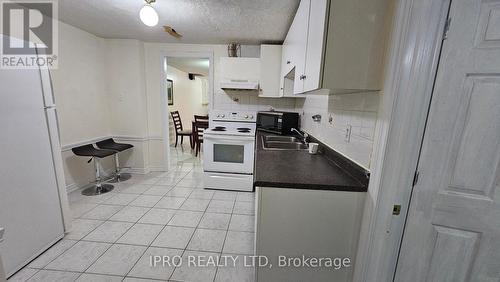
column 166, row 214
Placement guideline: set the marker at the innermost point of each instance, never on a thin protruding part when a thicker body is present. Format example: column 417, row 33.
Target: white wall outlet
column 330, row 119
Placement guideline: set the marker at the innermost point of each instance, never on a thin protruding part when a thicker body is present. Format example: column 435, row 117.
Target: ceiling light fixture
column 148, row 14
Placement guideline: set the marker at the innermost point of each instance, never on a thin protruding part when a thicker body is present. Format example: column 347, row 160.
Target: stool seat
column 110, row 144
column 90, row 151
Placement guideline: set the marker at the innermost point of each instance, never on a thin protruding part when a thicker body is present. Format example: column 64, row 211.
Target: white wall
column 80, row 80
column 126, row 96
column 357, row 110
column 125, row 87
column 187, row 95
column 100, row 93
column 80, row 92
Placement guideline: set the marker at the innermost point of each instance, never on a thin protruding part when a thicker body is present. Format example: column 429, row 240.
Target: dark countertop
column 301, row 170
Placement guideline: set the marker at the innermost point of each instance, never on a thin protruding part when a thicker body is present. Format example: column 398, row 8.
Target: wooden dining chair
column 199, row 128
column 179, row 130
column 200, row 118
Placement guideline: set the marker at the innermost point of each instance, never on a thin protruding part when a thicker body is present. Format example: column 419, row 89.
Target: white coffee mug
column 313, row 148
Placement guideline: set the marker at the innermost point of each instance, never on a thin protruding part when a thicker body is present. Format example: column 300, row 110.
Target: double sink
column 282, row 143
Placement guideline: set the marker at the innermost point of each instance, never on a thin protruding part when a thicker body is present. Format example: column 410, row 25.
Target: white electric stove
column 228, row 151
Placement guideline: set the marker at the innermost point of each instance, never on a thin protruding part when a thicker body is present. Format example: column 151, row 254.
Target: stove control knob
column 223, row 115
column 251, row 116
column 218, row 115
column 246, row 116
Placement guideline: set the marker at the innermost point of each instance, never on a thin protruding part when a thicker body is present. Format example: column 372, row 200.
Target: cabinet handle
column 302, row 77
column 288, row 62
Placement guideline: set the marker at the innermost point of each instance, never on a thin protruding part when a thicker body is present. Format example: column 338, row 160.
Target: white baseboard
column 137, row 170
column 140, row 170
column 72, row 187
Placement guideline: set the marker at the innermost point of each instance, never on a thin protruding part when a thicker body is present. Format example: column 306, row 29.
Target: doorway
column 186, row 87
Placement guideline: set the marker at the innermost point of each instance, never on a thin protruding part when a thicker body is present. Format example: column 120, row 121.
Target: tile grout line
column 82, row 239
column 124, row 234
column 189, row 241
column 37, row 270
column 152, row 241
column 194, row 187
column 225, row 237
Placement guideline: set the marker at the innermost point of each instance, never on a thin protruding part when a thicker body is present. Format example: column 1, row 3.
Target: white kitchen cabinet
column 315, row 41
column 301, row 67
column 294, row 52
column 298, row 44
column 356, row 44
column 337, row 45
column 313, row 223
column 286, row 63
column 270, row 71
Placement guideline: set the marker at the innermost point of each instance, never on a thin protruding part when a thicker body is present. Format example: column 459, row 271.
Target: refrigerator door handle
column 46, row 81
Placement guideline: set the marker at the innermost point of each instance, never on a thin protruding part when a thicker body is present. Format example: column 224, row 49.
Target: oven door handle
column 229, row 175
column 240, row 141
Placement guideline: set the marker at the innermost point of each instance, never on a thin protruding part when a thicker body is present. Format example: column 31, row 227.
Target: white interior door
column 452, row 231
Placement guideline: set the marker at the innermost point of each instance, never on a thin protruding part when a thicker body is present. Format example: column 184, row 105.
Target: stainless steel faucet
column 303, row 135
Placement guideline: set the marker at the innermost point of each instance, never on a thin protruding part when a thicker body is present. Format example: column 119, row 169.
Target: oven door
column 232, row 154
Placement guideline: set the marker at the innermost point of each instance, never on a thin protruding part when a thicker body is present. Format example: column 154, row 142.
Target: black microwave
column 278, row 122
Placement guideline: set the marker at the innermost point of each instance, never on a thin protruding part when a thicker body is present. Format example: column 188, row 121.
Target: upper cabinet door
column 356, row 44
column 315, row 44
column 286, row 63
column 338, row 45
column 270, row 71
column 298, row 42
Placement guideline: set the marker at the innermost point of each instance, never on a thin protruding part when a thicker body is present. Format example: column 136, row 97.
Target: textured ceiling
column 199, row 21
column 190, row 65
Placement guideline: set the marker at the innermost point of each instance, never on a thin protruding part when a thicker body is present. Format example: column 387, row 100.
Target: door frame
column 163, row 98
column 415, row 46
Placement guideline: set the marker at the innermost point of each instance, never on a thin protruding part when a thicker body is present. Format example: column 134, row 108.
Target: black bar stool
column 96, row 154
column 110, row 144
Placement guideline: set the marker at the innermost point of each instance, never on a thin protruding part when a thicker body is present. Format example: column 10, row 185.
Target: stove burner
column 243, row 128
column 219, row 128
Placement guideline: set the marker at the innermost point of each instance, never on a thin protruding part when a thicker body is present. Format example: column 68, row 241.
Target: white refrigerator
column 31, row 172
